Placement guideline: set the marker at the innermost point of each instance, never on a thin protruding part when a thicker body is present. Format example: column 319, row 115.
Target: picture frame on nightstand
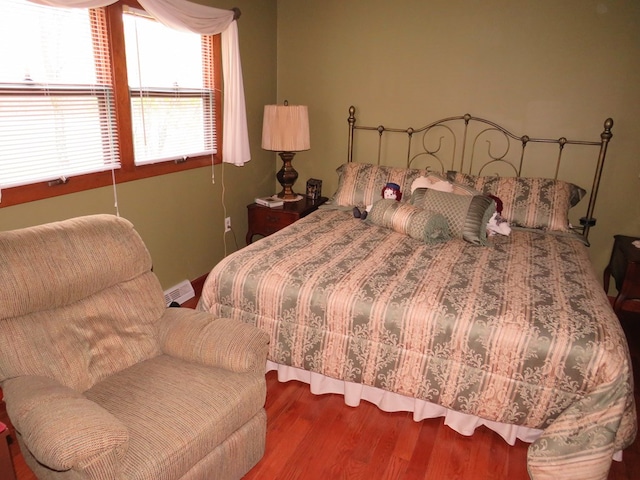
column 314, row 189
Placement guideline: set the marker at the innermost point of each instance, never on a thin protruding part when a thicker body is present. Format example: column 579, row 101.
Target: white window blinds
column 56, row 100
column 172, row 96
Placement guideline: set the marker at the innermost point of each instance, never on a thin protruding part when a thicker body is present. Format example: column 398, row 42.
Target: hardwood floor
column 318, row 437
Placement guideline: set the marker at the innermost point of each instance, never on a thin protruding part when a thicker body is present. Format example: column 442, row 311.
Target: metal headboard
column 452, row 144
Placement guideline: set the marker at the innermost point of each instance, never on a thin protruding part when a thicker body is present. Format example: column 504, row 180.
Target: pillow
column 432, row 181
column 436, row 182
column 467, row 215
column 541, row 203
column 461, row 189
column 423, row 225
column 360, row 184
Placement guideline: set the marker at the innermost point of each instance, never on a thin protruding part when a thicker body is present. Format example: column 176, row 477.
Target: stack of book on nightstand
column 270, row 202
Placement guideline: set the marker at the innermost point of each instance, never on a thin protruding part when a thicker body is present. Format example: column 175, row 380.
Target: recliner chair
column 102, row 381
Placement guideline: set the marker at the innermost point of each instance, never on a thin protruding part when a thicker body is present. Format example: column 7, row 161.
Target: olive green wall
column 539, row 68
column 544, row 68
column 181, row 216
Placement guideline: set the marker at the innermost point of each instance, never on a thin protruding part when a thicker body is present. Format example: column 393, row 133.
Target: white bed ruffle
column 392, row 402
column 353, row 393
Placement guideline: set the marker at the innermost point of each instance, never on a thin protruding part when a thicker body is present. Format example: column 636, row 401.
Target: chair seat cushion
column 177, row 412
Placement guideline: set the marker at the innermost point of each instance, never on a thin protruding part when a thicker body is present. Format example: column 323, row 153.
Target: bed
column 419, row 308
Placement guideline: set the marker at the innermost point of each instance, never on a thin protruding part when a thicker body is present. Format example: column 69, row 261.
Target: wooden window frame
column 128, row 170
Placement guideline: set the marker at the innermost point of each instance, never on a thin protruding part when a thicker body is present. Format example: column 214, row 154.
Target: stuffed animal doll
column 390, row 190
column 497, row 224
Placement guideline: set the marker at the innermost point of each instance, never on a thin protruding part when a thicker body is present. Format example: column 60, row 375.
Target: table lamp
column 285, row 129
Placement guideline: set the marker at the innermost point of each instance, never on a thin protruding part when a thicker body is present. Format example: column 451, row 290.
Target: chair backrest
column 78, row 300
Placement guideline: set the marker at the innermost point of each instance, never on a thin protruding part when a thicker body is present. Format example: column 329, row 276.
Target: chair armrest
column 220, row 342
column 61, row 428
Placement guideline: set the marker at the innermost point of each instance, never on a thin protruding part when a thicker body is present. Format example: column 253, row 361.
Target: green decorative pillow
column 528, row 202
column 423, row 225
column 467, row 215
column 360, row 184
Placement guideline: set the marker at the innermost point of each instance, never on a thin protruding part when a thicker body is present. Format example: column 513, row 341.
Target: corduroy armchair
column 102, row 381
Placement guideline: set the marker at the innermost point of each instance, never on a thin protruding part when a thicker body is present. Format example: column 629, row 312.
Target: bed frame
column 473, row 145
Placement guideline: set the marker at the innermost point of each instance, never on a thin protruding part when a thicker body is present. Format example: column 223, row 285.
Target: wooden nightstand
column 265, row 221
column 624, row 267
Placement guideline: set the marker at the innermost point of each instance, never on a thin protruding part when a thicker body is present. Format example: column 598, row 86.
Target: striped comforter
column 518, row 332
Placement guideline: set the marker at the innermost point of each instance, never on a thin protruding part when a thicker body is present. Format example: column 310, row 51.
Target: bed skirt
column 353, row 393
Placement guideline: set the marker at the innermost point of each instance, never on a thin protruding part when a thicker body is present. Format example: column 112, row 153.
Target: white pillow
column 433, row 182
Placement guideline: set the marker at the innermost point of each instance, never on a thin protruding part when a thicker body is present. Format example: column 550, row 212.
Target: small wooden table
column 624, row 267
column 265, row 220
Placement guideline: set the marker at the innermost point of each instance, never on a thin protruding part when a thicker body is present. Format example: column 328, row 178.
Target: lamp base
column 296, row 198
column 287, row 176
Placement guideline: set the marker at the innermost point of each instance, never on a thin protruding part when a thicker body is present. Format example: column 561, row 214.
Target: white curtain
column 235, row 142
column 204, row 20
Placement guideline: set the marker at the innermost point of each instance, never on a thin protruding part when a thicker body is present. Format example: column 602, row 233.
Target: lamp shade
column 285, row 128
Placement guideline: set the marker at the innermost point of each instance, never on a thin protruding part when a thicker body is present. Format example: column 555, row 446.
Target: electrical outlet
column 227, row 224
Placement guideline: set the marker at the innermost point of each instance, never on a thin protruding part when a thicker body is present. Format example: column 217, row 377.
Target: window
column 172, row 108
column 90, row 94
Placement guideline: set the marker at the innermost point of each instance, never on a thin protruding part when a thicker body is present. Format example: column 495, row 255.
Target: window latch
column 58, row 181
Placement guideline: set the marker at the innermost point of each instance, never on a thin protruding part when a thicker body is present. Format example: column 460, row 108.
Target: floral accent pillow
column 437, row 182
column 360, row 184
column 434, row 181
column 424, row 225
column 542, row 203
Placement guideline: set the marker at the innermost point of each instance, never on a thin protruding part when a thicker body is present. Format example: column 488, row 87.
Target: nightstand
column 624, row 267
column 265, row 220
